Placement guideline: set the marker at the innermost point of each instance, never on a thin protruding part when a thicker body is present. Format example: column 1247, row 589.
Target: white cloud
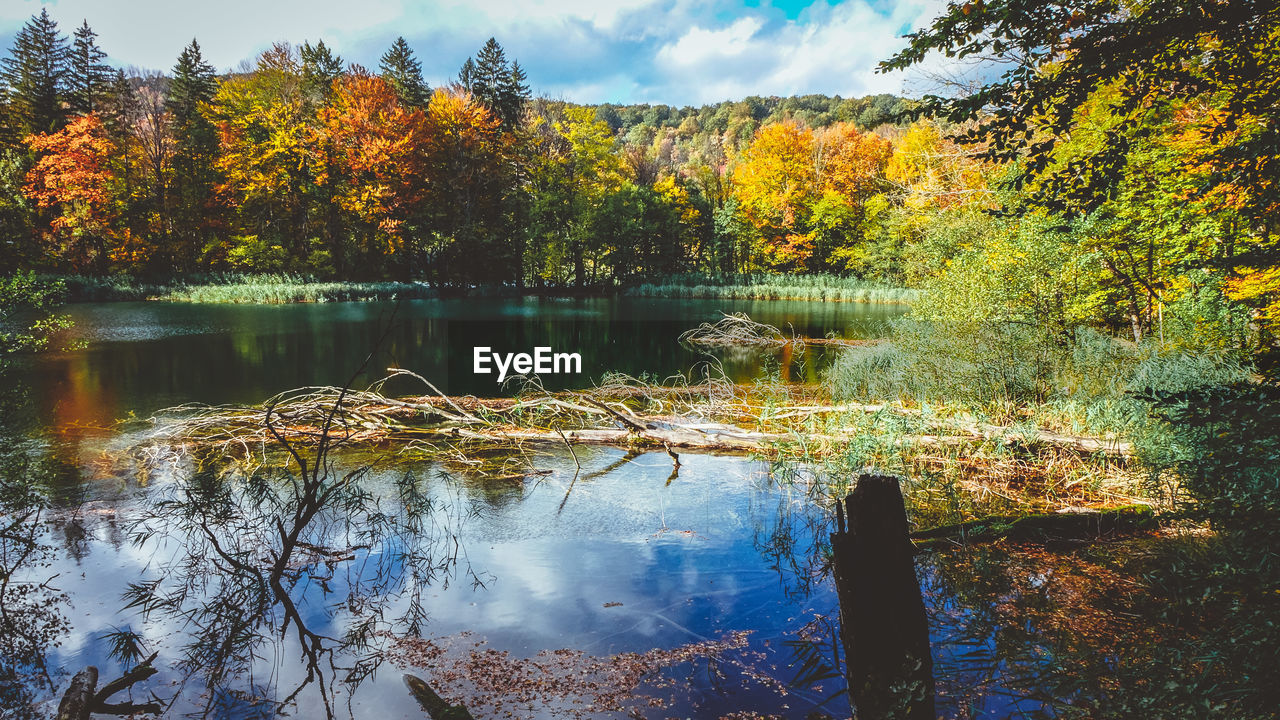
column 699, row 46
column 670, row 51
column 833, row 50
column 600, row 14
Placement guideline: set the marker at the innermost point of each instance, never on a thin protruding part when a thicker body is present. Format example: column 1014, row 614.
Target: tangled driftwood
column 713, row 416
column 739, row 329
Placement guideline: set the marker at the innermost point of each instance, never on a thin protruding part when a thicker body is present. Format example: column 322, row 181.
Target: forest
column 301, row 163
column 1154, row 205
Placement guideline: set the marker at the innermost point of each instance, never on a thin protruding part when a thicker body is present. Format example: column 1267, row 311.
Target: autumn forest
column 302, row 163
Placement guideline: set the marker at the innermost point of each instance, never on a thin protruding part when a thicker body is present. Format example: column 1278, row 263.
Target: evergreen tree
column 467, row 73
column 496, row 84
column 489, row 74
column 320, row 67
column 118, row 105
column 513, row 95
column 402, row 71
column 88, row 77
column 34, row 76
column 195, row 149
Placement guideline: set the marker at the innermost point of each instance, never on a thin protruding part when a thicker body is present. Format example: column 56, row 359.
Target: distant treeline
column 740, row 119
column 303, row 163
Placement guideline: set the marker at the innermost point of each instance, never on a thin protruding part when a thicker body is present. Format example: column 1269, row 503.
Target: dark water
column 140, row 357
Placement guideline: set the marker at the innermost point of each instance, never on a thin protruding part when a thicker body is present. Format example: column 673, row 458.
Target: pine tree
column 320, row 67
column 489, row 74
column 466, row 74
column 118, row 104
column 513, row 95
column 402, row 71
column 34, row 76
column 195, row 149
column 496, row 84
column 88, row 77
column 193, row 83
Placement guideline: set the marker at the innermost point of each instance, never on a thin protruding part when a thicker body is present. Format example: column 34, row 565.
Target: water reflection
column 282, row 549
column 33, row 607
column 250, row 618
column 141, row 357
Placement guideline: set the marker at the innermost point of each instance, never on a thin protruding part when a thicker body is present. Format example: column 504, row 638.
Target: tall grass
column 289, row 288
column 830, row 288
column 932, row 375
column 282, row 289
column 235, row 288
column 1010, row 373
column 85, row 288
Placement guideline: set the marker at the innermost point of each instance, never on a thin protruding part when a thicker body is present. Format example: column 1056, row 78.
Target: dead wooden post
column 883, row 625
column 77, row 702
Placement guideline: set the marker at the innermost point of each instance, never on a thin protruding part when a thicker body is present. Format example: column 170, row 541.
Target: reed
column 830, row 288
column 269, row 289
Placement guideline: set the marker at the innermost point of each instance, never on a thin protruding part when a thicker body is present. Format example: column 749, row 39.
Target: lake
column 598, row 583
column 141, row 357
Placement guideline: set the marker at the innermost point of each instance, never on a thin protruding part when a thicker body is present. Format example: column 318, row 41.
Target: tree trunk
column 78, row 700
column 882, row 619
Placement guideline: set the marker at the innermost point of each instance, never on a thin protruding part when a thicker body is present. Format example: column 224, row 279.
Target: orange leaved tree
column 72, row 181
column 377, row 166
column 775, row 185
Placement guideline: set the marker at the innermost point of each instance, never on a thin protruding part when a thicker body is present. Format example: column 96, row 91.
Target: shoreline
column 286, row 291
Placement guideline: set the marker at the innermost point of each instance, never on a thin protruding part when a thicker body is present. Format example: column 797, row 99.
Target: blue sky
column 674, row 51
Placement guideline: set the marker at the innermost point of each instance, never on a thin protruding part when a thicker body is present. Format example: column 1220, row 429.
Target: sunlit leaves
column 376, row 160
column 72, row 179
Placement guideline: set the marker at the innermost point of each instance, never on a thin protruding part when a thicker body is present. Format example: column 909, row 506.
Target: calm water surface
column 584, row 562
column 140, row 357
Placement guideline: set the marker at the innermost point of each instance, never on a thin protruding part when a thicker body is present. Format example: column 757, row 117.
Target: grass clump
column 277, row 288
column 729, row 286
column 1197, row 421
column 1009, row 373
column 283, row 288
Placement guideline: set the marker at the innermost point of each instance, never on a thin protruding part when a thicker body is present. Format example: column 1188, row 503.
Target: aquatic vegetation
column 275, row 288
column 279, row 289
column 830, row 288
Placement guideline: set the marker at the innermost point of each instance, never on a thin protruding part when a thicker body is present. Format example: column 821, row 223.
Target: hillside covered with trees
column 306, row 164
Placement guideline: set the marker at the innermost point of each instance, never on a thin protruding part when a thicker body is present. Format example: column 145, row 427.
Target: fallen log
column 986, row 431
column 1060, row 527
column 593, row 417
column 436, row 707
column 688, row 439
